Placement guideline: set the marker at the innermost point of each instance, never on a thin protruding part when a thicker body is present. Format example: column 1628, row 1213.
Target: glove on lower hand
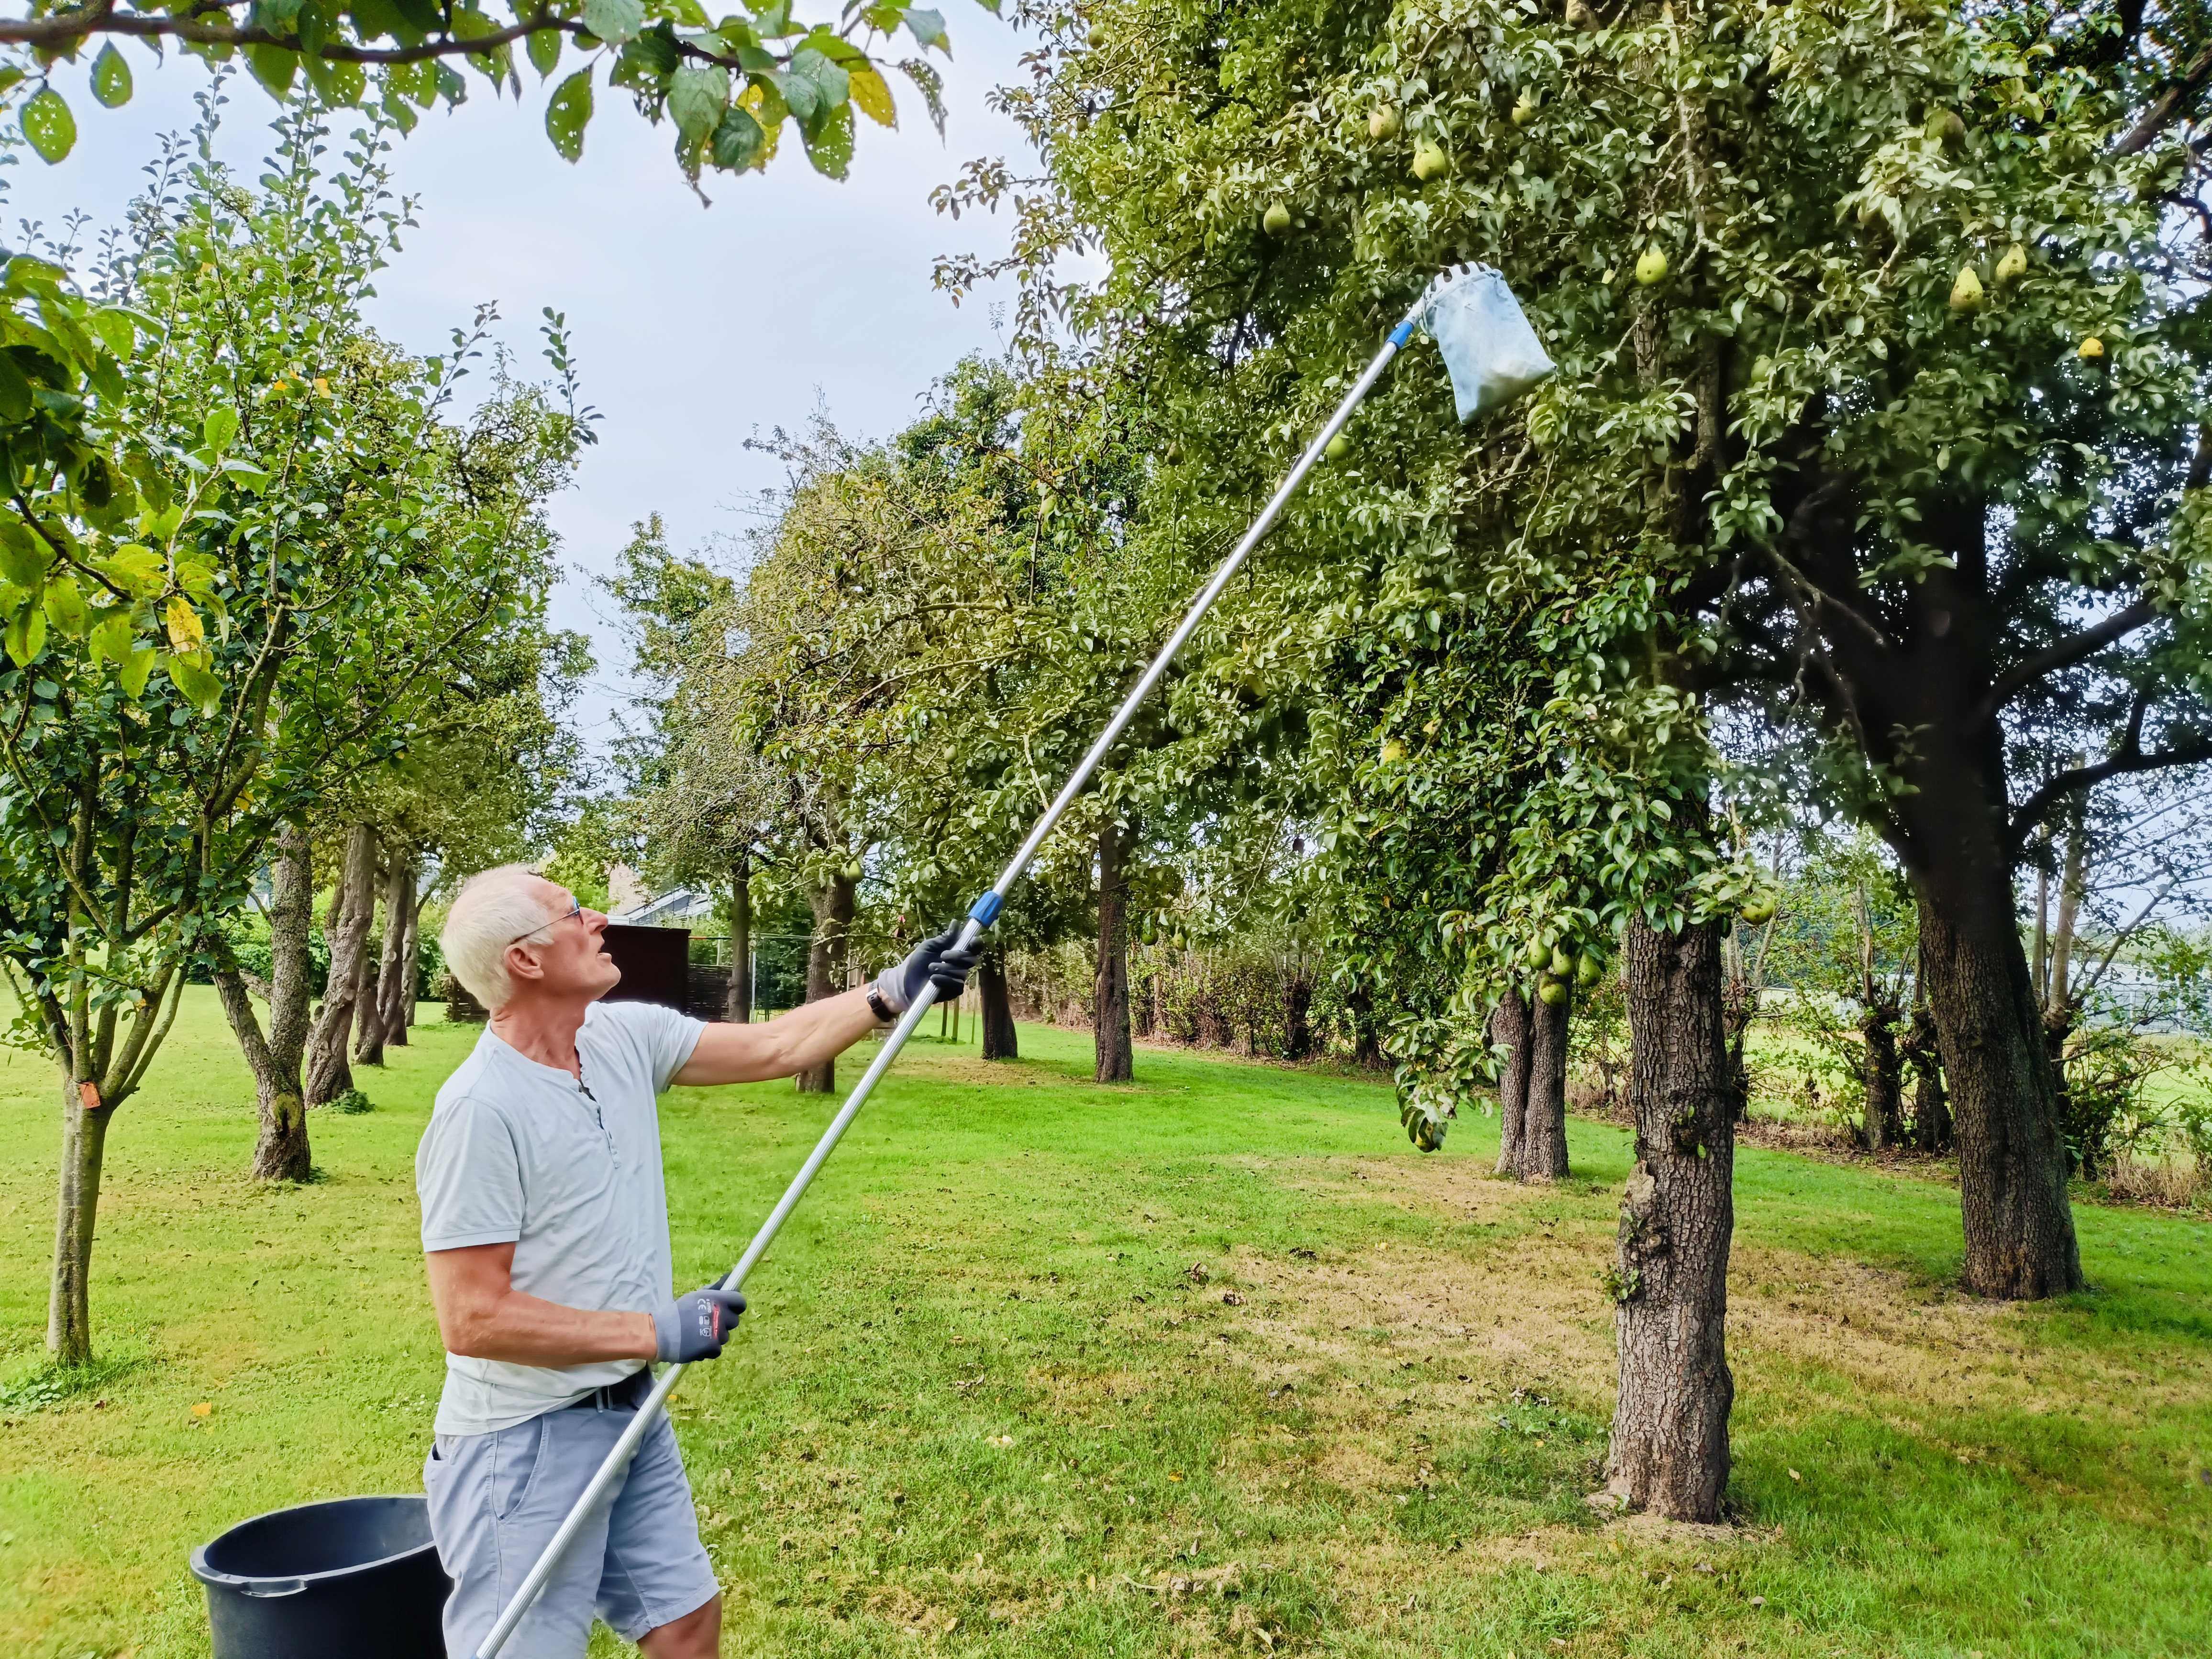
column 933, row 962
column 696, row 1327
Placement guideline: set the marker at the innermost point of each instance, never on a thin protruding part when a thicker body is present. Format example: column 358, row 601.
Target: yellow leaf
column 186, row 633
column 204, row 1408
column 872, row 96
column 1175, row 1474
column 752, row 101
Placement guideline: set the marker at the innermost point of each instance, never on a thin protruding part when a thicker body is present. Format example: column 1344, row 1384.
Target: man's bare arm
column 482, row 1316
column 783, row 1046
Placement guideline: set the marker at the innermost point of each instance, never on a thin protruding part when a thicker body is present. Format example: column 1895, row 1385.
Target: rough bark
column 832, row 905
column 738, row 1002
column 1000, row 1040
column 1881, row 1074
column 1669, row 1450
column 379, row 1011
column 69, row 1306
column 2002, row 1092
column 1510, row 1027
column 275, row 1056
column 1116, row 1058
column 328, row 1076
column 1544, row 1114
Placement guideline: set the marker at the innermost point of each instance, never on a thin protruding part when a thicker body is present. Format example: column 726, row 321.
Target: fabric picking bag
column 1489, row 349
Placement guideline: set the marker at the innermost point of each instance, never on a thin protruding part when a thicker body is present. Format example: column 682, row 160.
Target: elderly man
column 546, row 1229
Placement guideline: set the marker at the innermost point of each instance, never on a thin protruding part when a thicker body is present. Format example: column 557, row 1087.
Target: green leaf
column 928, row 28
column 116, row 329
column 416, row 82
column 27, row 634
column 199, row 687
column 829, row 142
column 450, row 87
column 697, row 95
column 49, row 125
column 773, row 20
column 134, row 569
column 872, row 96
column 219, row 427
column 14, row 390
column 274, row 67
column 133, row 670
column 110, row 78
column 22, row 557
column 64, row 606
column 832, row 85
column 567, row 112
column 111, row 636
column 544, row 49
column 739, row 140
column 613, row 20
column 338, row 85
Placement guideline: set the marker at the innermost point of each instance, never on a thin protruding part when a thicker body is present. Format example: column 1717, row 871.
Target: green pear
column 1650, row 266
column 1429, row 162
column 1276, row 221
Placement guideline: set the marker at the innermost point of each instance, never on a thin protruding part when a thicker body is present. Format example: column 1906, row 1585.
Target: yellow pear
column 2092, row 349
column 2013, row 265
column 1652, row 266
column 1429, row 162
column 1382, row 121
column 1967, row 292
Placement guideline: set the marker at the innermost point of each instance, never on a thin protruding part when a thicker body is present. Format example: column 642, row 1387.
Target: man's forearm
column 528, row 1330
column 791, row 1043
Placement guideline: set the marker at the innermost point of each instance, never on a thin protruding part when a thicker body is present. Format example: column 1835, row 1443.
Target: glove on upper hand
column 696, row 1327
column 933, row 962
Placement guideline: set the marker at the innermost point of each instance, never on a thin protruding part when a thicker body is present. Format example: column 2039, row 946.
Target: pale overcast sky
column 692, row 326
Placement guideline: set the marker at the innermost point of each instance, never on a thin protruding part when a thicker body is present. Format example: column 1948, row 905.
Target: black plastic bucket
column 356, row 1578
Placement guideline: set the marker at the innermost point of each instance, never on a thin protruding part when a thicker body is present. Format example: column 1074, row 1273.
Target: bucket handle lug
column 271, row 1589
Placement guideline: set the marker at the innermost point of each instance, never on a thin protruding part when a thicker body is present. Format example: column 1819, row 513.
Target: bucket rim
column 215, row 1578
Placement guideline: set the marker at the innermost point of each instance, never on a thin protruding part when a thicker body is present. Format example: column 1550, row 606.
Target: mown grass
column 985, row 1404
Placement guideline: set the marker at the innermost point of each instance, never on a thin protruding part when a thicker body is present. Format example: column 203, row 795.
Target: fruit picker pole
column 984, row 912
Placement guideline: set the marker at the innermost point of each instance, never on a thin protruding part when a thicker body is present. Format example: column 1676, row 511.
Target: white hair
column 492, row 910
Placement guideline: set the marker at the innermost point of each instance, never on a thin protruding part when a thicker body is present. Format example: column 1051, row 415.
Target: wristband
column 879, row 1008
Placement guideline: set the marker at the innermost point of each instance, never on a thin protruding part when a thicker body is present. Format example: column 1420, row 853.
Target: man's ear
column 522, row 962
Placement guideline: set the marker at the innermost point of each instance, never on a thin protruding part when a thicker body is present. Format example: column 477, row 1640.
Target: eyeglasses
column 575, row 908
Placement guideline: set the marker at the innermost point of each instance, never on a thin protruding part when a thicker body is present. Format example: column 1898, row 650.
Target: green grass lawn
column 1214, row 1362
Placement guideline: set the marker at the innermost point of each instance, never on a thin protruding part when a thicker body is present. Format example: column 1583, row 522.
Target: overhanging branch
column 2064, row 654
column 2168, row 107
column 2129, row 758
column 64, row 28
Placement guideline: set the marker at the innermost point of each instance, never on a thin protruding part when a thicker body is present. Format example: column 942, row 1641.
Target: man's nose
column 595, row 920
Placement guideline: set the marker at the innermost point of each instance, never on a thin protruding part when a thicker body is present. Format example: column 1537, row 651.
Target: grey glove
column 933, row 962
column 696, row 1327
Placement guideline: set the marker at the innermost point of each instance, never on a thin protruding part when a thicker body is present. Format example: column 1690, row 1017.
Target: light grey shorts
column 496, row 1499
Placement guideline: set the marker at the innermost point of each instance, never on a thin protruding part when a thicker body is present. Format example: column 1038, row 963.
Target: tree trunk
column 1366, row 1030
column 1000, row 1040
column 399, row 990
column 1110, row 999
column 328, row 1074
column 825, row 964
column 2003, row 1093
column 1511, row 1026
column 84, row 1145
column 382, row 992
column 1544, row 1116
column 1670, row 1446
column 281, row 1153
column 1882, row 1075
column 738, row 1001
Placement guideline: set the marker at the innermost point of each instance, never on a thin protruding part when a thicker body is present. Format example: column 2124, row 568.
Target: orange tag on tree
column 88, row 1092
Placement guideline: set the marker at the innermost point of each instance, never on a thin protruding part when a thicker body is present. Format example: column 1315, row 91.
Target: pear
column 2014, row 266
column 1553, row 992
column 1580, row 17
column 852, row 872
column 1758, row 910
column 1588, row 970
column 2091, row 349
column 1338, row 447
column 1393, row 752
column 1429, row 162
column 1967, row 292
column 1945, row 127
column 1382, row 121
column 1524, row 112
column 1562, row 964
column 1538, row 955
column 1650, row 266
column 1276, row 221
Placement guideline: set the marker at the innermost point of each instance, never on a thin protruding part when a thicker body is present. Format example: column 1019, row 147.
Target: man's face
column 566, row 960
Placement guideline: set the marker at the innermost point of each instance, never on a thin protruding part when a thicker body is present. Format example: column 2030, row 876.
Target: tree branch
column 2167, row 106
column 2064, row 654
column 2128, row 758
column 65, row 28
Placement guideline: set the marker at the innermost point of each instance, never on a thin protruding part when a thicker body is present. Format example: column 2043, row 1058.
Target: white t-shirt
column 570, row 1173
